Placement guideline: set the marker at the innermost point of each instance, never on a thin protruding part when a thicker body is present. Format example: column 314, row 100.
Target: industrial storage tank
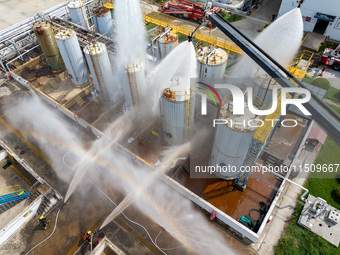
column 264, row 85
column 212, row 62
column 78, row 14
column 166, row 44
column 176, row 109
column 44, row 33
column 134, row 83
column 99, row 64
column 72, row 55
column 103, row 21
column 232, row 140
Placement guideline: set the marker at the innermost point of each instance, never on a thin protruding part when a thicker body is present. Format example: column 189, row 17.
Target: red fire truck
column 333, row 57
column 186, row 9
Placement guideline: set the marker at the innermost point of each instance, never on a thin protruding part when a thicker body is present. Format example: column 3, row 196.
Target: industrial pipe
column 302, row 197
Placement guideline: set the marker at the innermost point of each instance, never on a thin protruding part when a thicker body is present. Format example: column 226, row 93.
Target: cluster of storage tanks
column 62, row 49
column 231, row 142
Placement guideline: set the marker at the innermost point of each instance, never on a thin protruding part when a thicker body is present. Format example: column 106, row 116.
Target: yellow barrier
column 186, row 28
column 10, row 189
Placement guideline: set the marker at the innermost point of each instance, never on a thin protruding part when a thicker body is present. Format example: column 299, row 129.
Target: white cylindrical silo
column 264, row 85
column 72, row 55
column 232, row 140
column 166, row 44
column 78, row 14
column 176, row 109
column 134, row 83
column 99, row 64
column 103, row 21
column 212, row 62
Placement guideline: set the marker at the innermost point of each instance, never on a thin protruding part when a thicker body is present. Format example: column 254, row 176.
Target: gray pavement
column 285, row 206
column 258, row 19
column 14, row 11
column 330, row 74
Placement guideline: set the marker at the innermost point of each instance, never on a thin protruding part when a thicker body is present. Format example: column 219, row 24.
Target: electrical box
column 333, row 216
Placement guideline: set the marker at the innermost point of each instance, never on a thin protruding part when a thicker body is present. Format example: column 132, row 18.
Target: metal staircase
column 187, row 117
column 12, row 193
column 252, row 155
column 98, row 70
column 131, row 72
column 301, row 63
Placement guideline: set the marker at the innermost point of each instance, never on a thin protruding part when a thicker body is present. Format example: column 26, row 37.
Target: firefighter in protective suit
column 87, row 236
column 43, row 221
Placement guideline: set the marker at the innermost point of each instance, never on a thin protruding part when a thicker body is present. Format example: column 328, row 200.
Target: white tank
column 78, row 14
column 99, row 64
column 232, row 140
column 176, row 109
column 103, row 21
column 264, row 85
column 166, row 44
column 134, row 83
column 212, row 62
column 72, row 55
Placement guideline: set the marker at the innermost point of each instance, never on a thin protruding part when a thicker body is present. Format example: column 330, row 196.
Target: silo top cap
column 101, row 11
column 95, row 48
column 211, row 55
column 64, row 34
column 75, row 4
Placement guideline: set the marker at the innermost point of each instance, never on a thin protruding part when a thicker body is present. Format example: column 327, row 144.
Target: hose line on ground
column 55, row 226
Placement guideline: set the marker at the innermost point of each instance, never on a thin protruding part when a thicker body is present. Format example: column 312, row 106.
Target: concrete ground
column 86, row 208
column 285, row 206
column 330, row 74
column 251, row 26
column 14, row 11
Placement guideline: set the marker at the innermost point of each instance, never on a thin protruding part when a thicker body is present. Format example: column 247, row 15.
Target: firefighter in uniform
column 87, row 236
column 43, row 221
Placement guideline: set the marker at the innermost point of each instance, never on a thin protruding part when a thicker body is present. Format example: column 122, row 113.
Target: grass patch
column 308, row 79
column 333, row 94
column 182, row 38
column 326, row 45
column 322, row 83
column 325, row 187
column 298, row 240
column 231, row 17
column 150, row 26
column 335, row 108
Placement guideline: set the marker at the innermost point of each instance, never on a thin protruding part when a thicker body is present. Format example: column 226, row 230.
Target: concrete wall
column 309, row 8
column 19, row 221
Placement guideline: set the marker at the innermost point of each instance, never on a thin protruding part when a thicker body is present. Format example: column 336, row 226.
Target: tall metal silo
column 44, row 33
column 78, row 14
column 176, row 109
column 103, row 21
column 232, row 140
column 99, row 64
column 166, row 44
column 134, row 83
column 212, row 62
column 72, row 55
column 264, row 85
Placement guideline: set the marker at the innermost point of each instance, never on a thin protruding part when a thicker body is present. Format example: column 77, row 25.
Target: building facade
column 321, row 17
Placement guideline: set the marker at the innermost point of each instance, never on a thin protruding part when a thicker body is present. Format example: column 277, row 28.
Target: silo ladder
column 187, row 116
column 131, row 72
column 252, row 155
column 97, row 69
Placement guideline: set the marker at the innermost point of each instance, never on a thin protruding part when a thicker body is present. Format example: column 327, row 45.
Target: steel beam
column 328, row 120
